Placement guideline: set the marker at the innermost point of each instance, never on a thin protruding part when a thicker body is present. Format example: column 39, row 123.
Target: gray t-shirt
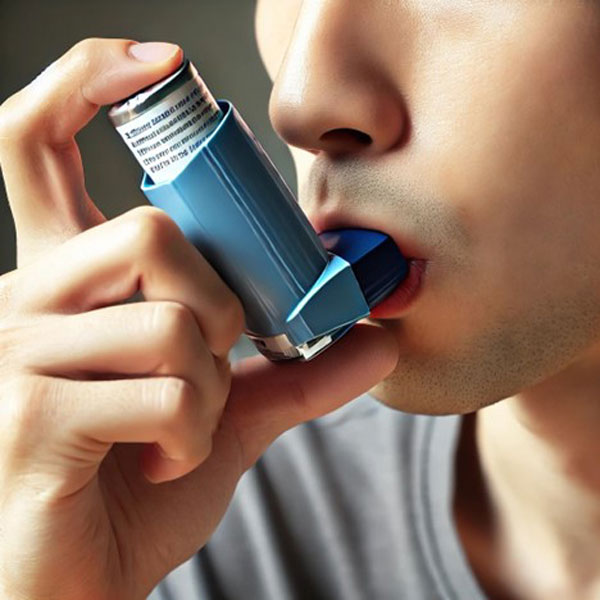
column 355, row 505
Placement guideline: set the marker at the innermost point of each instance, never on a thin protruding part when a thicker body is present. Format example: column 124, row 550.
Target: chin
column 399, row 392
column 386, row 393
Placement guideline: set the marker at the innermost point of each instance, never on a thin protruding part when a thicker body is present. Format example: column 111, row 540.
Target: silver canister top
column 166, row 122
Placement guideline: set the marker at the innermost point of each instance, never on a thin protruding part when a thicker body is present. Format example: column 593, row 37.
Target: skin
column 482, row 127
column 470, row 131
column 83, row 515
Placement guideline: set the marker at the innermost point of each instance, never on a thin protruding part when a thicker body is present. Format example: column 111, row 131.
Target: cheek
column 514, row 147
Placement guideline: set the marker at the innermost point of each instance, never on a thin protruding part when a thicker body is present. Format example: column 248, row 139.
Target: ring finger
column 151, row 338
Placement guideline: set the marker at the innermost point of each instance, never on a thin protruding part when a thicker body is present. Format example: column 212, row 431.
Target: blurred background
column 218, row 35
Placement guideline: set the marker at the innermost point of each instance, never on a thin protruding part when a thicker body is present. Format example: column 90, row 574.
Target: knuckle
column 84, row 50
column 229, row 326
column 10, row 345
column 233, row 317
column 153, row 230
column 13, row 120
column 184, row 420
column 25, row 404
column 173, row 322
column 14, row 295
column 222, row 385
column 215, row 392
column 10, row 316
column 24, row 114
column 178, row 404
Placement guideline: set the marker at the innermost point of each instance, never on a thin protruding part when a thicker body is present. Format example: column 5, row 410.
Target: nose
column 332, row 93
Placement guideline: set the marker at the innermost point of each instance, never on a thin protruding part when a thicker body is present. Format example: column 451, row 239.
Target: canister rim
column 142, row 100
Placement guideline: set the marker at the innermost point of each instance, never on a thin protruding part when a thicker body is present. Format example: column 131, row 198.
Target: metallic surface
column 141, row 101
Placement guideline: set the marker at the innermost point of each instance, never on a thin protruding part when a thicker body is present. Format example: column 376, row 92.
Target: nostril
column 345, row 138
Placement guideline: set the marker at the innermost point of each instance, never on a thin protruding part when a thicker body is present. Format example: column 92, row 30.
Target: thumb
column 40, row 160
column 268, row 398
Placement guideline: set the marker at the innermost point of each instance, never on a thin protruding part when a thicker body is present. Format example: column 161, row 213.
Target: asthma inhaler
column 203, row 166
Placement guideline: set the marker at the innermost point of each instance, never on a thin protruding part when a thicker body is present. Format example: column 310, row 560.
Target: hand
column 123, row 427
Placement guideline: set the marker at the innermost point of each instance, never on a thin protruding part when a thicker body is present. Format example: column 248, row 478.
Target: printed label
column 164, row 138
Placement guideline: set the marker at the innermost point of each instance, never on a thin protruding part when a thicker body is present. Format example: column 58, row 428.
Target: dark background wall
column 218, row 35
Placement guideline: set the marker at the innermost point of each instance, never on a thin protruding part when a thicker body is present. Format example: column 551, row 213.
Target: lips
column 404, row 295
column 408, row 247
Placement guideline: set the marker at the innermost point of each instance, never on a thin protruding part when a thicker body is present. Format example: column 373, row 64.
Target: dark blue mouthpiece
column 375, row 259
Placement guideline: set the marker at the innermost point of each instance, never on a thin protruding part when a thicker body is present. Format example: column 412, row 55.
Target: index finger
column 40, row 160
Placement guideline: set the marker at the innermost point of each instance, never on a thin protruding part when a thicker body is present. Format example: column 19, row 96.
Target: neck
column 538, row 453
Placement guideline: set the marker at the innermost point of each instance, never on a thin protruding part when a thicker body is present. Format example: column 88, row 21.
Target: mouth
column 399, row 301
column 404, row 295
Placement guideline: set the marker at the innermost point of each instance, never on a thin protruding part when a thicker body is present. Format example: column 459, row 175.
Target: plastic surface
column 374, row 257
column 233, row 205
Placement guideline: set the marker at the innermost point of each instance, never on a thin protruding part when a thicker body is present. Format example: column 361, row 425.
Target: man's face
column 482, row 156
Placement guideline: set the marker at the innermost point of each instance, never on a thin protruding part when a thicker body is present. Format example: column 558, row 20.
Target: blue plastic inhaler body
column 300, row 291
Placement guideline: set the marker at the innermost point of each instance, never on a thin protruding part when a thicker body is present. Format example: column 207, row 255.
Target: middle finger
column 141, row 250
column 144, row 338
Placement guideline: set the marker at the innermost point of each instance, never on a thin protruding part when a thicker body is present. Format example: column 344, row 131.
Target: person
column 465, row 465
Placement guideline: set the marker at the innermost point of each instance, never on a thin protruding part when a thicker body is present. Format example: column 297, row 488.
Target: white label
column 164, row 138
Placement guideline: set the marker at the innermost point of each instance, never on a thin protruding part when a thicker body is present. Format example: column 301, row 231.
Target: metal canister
column 163, row 124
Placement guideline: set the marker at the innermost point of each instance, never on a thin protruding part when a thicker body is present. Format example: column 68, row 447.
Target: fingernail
column 153, row 51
